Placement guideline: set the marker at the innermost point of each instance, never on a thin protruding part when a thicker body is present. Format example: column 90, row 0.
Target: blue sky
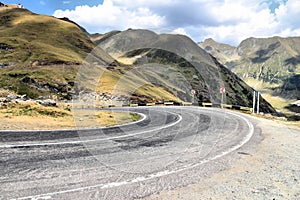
column 48, row 7
column 227, row 21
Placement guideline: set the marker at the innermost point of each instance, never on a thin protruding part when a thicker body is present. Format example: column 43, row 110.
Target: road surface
column 169, row 147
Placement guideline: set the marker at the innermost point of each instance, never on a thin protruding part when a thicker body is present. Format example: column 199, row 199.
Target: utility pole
column 258, row 102
column 253, row 108
column 256, row 94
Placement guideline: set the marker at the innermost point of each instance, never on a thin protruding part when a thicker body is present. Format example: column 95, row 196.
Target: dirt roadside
column 67, row 120
column 270, row 172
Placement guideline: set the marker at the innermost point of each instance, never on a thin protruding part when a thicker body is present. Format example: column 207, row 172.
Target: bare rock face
column 11, row 97
column 2, row 65
column 47, row 102
column 35, row 63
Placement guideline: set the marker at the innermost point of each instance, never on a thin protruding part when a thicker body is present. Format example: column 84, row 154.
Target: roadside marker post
column 193, row 92
column 222, row 91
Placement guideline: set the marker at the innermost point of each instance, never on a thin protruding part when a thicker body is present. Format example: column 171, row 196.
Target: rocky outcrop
column 13, row 98
column 47, row 102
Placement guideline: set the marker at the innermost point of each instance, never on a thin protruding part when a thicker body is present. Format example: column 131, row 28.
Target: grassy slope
column 58, row 46
column 42, row 53
column 281, row 61
column 223, row 52
column 31, row 37
column 166, row 46
column 133, row 86
column 41, row 80
column 280, row 58
column 33, row 116
column 98, row 38
column 170, row 71
column 131, row 40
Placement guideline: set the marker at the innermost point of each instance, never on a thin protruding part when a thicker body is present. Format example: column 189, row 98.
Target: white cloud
column 228, row 21
column 143, row 3
column 107, row 16
column 252, row 22
column 180, row 31
column 288, row 14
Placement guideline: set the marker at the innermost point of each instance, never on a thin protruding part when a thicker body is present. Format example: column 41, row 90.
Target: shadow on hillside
column 293, row 108
column 290, row 88
column 261, row 54
column 293, row 61
column 293, row 117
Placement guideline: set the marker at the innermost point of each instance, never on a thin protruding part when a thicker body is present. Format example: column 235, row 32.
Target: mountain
column 39, row 55
column 70, row 21
column 177, row 64
column 56, row 58
column 98, row 38
column 223, row 52
column 273, row 63
column 26, row 37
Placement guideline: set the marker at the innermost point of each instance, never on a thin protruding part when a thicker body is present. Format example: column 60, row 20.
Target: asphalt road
column 169, row 147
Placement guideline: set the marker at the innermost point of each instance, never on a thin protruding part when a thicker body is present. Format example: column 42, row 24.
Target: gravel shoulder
column 270, row 170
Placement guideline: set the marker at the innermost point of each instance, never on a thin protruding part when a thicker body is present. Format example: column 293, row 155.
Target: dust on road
column 272, row 171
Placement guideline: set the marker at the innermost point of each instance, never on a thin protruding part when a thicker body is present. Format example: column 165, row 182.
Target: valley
column 99, row 101
column 133, row 66
column 269, row 65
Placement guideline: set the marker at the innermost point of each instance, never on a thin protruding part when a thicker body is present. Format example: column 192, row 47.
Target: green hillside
column 268, row 59
column 270, row 65
column 39, row 55
column 223, row 52
column 177, row 64
column 30, row 39
column 56, row 58
column 271, row 60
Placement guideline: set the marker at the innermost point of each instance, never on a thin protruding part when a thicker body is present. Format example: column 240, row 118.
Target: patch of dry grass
column 131, row 83
column 31, row 116
column 32, row 109
column 259, row 85
column 4, row 93
column 93, row 118
column 277, row 102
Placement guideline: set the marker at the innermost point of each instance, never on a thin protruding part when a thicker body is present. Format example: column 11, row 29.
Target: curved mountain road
column 164, row 150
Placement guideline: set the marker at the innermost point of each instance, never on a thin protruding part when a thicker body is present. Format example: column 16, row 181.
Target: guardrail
column 168, row 103
column 171, row 103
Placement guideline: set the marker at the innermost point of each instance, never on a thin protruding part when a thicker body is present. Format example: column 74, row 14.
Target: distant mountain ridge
column 43, row 57
column 223, row 52
column 139, row 47
column 274, row 60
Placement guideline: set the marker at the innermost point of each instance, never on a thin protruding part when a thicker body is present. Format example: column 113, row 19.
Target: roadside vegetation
column 40, row 57
column 21, row 116
column 38, row 81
